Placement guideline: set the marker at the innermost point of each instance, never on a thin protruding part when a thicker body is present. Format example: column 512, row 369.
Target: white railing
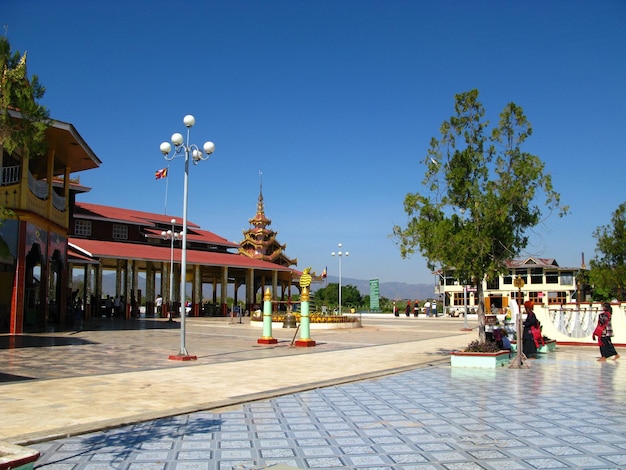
column 58, row 202
column 37, row 187
column 10, row 175
column 574, row 322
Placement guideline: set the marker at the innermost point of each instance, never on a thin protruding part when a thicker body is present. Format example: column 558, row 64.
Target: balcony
column 36, row 196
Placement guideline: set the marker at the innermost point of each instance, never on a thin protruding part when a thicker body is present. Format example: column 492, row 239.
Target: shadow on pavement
column 63, row 336
column 36, row 341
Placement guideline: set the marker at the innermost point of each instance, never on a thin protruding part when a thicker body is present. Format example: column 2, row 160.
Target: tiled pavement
column 566, row 411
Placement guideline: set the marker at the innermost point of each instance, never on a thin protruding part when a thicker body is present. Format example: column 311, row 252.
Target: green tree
column 608, row 267
column 23, row 122
column 480, row 195
column 19, row 96
column 329, row 295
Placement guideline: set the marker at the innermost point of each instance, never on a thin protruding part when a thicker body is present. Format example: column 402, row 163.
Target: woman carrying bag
column 604, row 333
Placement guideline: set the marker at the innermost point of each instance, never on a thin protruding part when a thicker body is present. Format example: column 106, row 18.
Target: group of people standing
column 603, row 333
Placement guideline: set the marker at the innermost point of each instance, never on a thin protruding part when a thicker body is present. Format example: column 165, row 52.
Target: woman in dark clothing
column 529, row 347
column 604, row 332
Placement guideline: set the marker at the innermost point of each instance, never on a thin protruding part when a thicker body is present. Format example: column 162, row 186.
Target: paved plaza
column 380, row 397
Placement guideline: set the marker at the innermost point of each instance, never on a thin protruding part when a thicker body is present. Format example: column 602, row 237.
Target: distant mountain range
column 390, row 290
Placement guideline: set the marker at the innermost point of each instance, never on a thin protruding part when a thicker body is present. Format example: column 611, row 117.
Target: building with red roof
column 46, row 235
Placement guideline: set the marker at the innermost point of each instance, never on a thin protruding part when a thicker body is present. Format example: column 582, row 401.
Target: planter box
column 550, row 346
column 477, row 359
column 13, row 457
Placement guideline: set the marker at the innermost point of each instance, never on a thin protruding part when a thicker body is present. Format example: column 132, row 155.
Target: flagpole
column 167, row 181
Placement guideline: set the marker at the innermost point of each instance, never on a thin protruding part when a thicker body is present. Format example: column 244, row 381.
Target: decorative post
column 520, row 361
column 267, row 319
column 305, row 327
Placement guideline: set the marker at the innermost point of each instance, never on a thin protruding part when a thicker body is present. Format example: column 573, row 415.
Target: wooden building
column 40, row 195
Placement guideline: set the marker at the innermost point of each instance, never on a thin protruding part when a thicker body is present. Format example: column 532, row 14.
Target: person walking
column 416, row 308
column 407, row 309
column 159, row 305
column 604, row 333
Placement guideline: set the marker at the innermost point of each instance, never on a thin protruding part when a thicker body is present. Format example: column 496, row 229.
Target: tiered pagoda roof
column 260, row 241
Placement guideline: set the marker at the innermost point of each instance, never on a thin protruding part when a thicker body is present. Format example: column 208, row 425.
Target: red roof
column 135, row 251
column 97, row 211
column 203, row 236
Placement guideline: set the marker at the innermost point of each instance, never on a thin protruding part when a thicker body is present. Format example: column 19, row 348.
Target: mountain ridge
column 389, row 290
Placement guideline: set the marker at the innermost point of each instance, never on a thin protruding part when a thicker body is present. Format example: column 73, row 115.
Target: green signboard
column 374, row 295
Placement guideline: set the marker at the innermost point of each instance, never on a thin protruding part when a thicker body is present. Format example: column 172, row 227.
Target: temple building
column 260, row 241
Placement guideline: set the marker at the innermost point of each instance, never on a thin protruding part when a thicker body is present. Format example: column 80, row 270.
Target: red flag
column 324, row 274
column 162, row 173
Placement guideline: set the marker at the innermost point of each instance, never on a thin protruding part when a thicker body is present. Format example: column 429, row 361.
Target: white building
column 545, row 283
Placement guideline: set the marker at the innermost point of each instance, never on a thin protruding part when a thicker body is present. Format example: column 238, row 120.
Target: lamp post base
column 182, row 357
column 305, row 343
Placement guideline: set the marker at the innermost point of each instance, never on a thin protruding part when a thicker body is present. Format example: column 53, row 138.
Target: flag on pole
column 324, row 273
column 162, row 173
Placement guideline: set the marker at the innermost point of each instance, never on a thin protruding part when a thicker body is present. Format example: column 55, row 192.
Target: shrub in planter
column 477, row 346
column 476, row 354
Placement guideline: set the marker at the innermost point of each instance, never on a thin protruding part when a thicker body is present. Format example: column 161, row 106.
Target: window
column 493, row 284
column 536, row 276
column 82, row 228
column 120, row 232
column 567, row 278
column 552, row 277
column 508, row 278
column 557, row 298
column 518, row 297
column 459, row 299
column 536, row 297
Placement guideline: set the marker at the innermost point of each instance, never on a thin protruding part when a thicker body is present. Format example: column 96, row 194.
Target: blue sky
column 335, row 102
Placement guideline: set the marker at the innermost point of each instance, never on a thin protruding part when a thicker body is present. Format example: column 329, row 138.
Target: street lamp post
column 184, row 148
column 171, row 235
column 340, row 254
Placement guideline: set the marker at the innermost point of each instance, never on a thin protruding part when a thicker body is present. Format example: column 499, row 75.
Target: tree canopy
column 608, row 267
column 20, row 94
column 329, row 295
column 480, row 195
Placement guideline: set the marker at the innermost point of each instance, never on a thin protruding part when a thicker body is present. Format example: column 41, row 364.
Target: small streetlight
column 171, row 235
column 182, row 147
column 340, row 254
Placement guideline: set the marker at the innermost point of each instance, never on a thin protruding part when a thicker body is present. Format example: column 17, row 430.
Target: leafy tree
column 608, row 267
column 329, row 295
column 479, row 195
column 19, row 94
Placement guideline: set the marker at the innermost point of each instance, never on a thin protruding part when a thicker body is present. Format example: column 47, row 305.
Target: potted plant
column 486, row 355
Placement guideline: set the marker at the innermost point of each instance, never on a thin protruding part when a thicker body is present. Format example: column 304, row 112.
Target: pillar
column 196, row 292
column 250, row 290
column 224, row 290
column 305, row 322
column 267, row 320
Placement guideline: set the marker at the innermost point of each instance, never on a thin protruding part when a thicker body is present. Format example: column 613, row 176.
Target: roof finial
column 259, row 207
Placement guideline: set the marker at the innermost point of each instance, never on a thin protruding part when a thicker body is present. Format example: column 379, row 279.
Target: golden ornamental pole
column 520, row 361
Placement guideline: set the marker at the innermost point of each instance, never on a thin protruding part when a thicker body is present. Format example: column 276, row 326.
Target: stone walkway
column 356, row 402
